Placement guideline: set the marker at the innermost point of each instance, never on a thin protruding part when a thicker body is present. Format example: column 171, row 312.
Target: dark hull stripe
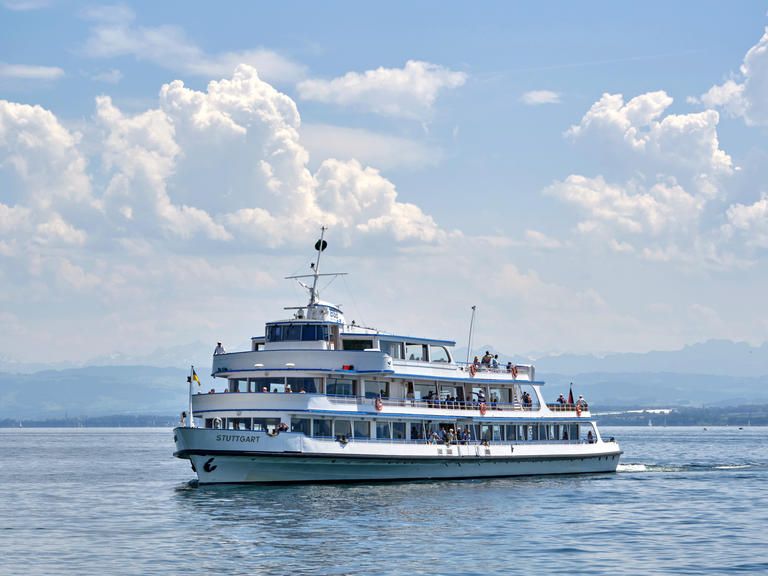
column 394, row 459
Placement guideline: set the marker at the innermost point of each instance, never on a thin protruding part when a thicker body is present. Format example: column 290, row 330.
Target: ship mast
column 314, row 297
column 320, row 245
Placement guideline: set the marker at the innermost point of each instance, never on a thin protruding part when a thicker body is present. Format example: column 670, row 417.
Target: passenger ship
column 317, row 399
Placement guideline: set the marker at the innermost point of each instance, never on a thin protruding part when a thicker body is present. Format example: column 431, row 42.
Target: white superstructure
column 317, row 399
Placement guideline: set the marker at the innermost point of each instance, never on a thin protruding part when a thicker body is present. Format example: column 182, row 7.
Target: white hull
column 223, row 456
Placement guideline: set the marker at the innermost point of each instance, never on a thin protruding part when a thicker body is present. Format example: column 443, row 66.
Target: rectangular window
column 339, row 387
column 417, row 431
column 398, row 430
column 373, row 389
column 383, row 430
column 303, row 425
column 394, row 349
column 423, row 390
column 271, row 384
column 416, row 352
column 350, row 344
column 342, row 428
column 303, row 385
column 321, row 428
column 361, row 428
column 266, row 424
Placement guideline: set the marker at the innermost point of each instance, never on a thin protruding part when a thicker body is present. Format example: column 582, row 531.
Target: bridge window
column 296, row 332
column 398, row 430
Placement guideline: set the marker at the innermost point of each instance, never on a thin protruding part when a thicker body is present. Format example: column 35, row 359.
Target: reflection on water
column 115, row 501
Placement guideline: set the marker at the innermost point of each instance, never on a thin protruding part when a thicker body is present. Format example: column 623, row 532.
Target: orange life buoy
column 472, row 370
column 379, row 404
column 483, row 408
column 578, row 409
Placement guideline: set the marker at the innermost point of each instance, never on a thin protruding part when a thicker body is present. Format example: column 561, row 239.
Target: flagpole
column 471, row 327
column 191, row 417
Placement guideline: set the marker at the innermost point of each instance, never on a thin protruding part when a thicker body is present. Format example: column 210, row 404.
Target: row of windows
column 372, row 389
column 276, row 384
column 420, row 352
column 426, row 430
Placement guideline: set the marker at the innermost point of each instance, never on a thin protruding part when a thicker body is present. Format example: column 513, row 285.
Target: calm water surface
column 114, row 501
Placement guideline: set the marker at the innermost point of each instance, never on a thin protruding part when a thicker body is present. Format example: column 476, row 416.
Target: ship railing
column 423, row 441
column 510, row 369
column 556, row 407
column 434, row 403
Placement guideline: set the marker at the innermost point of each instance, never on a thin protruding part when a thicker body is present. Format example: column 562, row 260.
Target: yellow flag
column 194, row 377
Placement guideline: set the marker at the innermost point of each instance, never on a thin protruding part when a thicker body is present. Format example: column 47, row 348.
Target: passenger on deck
column 527, row 401
column 219, row 349
column 590, row 438
column 561, row 400
column 486, row 361
column 476, row 362
column 581, row 403
column 495, row 361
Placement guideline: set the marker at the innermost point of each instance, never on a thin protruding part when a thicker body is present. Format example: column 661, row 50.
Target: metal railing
column 557, row 407
column 434, row 403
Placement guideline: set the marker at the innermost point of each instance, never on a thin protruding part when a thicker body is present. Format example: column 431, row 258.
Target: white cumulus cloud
column 408, row 92
column 664, row 174
column 746, row 94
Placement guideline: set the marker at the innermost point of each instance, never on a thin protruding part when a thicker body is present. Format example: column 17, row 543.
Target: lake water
column 114, row 501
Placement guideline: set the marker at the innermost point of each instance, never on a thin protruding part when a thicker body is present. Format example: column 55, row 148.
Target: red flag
column 570, row 394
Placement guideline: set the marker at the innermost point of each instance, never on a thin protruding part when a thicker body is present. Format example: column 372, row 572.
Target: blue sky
column 591, row 175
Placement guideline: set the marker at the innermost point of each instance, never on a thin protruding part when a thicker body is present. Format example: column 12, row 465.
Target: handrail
column 556, row 407
column 434, row 403
column 426, row 441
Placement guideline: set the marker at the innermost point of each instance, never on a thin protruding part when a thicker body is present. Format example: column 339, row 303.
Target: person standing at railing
column 219, row 349
column 495, row 362
column 486, row 361
column 561, row 400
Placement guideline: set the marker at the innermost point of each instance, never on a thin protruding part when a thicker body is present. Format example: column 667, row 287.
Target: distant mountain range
column 717, row 372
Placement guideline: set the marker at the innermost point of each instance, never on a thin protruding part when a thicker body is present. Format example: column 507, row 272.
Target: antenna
column 320, row 245
column 471, row 327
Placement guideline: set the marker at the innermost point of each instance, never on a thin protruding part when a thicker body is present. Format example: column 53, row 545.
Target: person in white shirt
column 219, row 349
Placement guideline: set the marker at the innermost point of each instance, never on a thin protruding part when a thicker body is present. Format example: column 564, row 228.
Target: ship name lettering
column 235, row 438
